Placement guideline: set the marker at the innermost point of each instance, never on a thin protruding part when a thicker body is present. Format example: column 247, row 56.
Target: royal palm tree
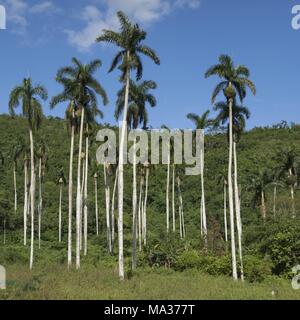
column 201, row 123
column 28, row 95
column 130, row 42
column 235, row 81
column 15, row 154
column 42, row 154
column 222, row 180
column 289, row 162
column 139, row 97
column 81, row 88
column 61, row 181
column 259, row 185
column 239, row 116
column 69, row 95
column 95, row 175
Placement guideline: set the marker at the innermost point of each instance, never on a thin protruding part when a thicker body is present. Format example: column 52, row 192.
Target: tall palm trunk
column 180, row 222
column 167, row 197
column 32, row 196
column 145, row 206
column 113, row 211
column 134, row 207
column 71, row 193
column 173, row 199
column 15, row 188
column 107, row 204
column 230, row 194
column 121, row 176
column 82, row 202
column 40, row 202
column 225, row 213
column 59, row 212
column 25, row 200
column 238, row 211
column 263, row 205
column 140, row 213
column 203, row 192
column 96, row 203
column 78, row 194
column 181, row 213
column 293, row 201
column 86, row 194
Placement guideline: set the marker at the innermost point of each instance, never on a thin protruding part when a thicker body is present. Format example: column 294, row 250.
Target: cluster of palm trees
column 284, row 174
column 80, row 90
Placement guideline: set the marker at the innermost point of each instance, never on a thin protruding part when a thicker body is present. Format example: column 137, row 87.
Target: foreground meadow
column 100, row 282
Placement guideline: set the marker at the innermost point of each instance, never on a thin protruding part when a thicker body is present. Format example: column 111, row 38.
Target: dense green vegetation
column 270, row 247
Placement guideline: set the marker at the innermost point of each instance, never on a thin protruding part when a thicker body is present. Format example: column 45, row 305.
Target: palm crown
column 201, row 122
column 129, row 39
column 80, row 86
column 139, row 96
column 31, row 106
column 239, row 116
column 235, row 79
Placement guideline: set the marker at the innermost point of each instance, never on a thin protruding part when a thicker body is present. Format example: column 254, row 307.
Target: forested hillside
column 270, row 245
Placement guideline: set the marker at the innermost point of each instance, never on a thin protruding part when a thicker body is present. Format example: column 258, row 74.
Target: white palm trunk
column 15, row 188
column 238, row 211
column 180, row 222
column 121, row 177
column 140, row 214
column 40, row 202
column 96, row 203
column 71, row 194
column 78, row 195
column 263, row 206
column 86, row 196
column 225, row 213
column 173, row 200
column 113, row 210
column 167, row 196
column 59, row 211
column 134, row 207
column 230, row 194
column 107, row 205
column 181, row 213
column 145, row 206
column 25, row 201
column 32, row 197
column 82, row 202
column 202, row 190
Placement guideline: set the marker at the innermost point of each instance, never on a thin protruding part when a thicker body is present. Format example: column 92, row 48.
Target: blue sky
column 188, row 35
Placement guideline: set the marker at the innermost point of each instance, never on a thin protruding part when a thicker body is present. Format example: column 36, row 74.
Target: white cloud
column 143, row 11
column 46, row 7
column 94, row 23
column 192, row 4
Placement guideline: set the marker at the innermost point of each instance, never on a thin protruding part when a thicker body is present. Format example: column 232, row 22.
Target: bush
column 188, row 260
column 256, row 270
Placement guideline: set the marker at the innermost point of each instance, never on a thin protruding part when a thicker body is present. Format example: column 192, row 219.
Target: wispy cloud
column 46, row 7
column 143, row 11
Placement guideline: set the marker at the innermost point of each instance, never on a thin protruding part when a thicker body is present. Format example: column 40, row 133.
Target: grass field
column 101, row 282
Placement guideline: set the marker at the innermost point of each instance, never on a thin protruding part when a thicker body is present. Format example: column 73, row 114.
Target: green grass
column 101, row 282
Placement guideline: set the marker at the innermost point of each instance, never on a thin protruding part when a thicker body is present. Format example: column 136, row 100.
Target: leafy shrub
column 256, row 270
